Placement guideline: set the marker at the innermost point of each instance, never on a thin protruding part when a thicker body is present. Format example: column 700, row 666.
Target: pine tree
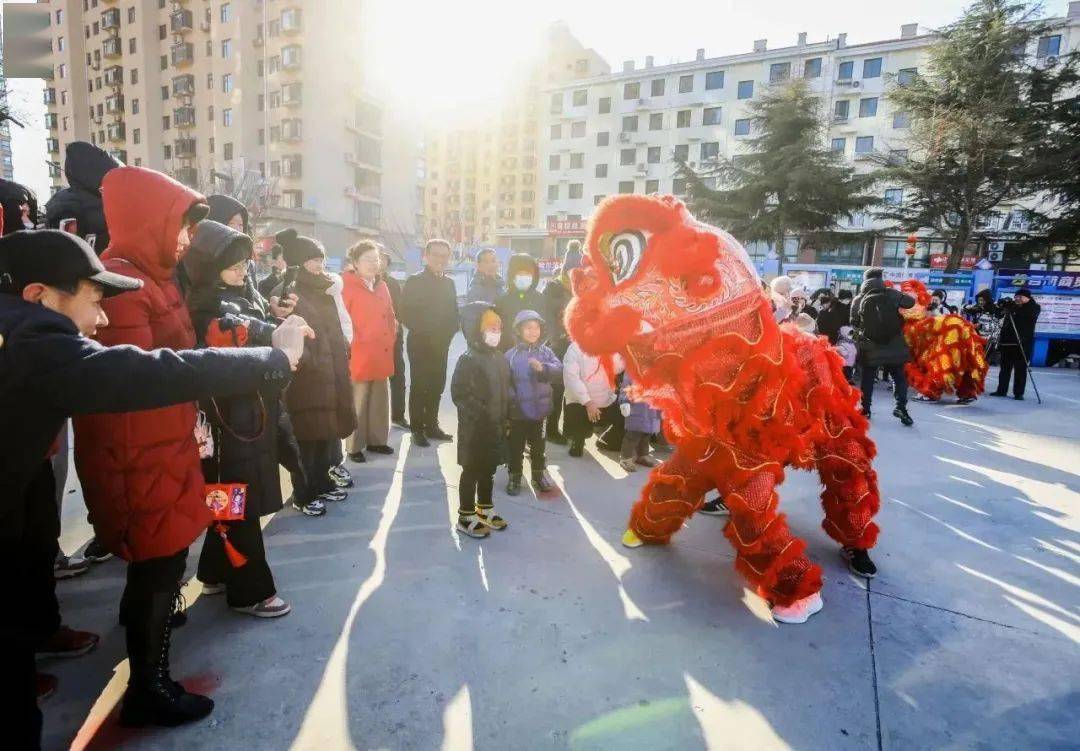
column 787, row 182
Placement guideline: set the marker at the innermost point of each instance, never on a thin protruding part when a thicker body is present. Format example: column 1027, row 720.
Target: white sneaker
column 798, row 611
column 271, row 607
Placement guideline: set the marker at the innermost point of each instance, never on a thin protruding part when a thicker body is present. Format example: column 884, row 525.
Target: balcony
column 53, row 145
column 114, row 104
column 50, row 120
column 182, row 54
column 291, row 21
column 183, row 85
column 115, row 132
column 292, row 166
column 184, row 148
column 110, row 19
column 119, row 154
column 114, row 76
column 184, row 117
column 188, row 176
column 112, row 47
column 50, row 96
column 181, row 21
column 290, row 57
column 292, row 94
column 291, row 129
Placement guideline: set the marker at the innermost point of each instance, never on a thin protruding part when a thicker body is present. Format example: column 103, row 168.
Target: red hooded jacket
column 140, row 471
column 374, row 328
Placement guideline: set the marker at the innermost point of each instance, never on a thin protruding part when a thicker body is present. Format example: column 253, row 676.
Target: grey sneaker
column 66, row 567
column 271, row 607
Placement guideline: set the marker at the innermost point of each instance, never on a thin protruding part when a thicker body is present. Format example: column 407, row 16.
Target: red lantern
column 910, row 249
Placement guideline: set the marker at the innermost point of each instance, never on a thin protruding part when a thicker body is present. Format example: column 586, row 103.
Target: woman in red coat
column 371, row 363
column 140, row 471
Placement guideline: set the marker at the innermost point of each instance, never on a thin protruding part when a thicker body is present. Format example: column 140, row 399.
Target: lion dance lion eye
column 627, row 249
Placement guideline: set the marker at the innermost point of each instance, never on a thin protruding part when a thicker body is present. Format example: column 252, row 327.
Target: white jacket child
column 586, row 380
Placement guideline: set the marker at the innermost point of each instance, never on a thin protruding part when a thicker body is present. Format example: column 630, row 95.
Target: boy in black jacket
column 480, row 389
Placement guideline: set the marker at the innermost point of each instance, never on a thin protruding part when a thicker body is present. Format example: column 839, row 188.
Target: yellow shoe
column 631, row 540
column 490, row 518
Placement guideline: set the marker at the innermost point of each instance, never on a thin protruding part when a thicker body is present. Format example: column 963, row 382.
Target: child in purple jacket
column 533, row 368
column 642, row 422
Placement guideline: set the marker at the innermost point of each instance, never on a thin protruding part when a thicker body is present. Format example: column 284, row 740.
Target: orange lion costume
column 947, row 353
column 742, row 396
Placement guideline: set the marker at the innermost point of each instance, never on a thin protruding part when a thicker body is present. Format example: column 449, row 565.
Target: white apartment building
column 621, row 133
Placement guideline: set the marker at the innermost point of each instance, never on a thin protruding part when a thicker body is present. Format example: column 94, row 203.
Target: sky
column 440, row 56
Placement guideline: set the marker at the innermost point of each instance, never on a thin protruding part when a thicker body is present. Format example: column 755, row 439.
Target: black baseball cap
column 55, row 258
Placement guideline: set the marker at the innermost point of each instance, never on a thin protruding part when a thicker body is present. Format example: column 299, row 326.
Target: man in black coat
column 875, row 315
column 557, row 296
column 85, row 166
column 429, row 311
column 523, row 273
column 51, row 286
column 1016, row 341
column 833, row 315
column 397, row 381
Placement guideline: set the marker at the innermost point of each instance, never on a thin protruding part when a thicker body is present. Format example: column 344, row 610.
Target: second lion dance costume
column 742, row 396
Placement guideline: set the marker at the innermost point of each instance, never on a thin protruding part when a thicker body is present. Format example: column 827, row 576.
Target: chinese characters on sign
column 566, row 227
column 1057, row 292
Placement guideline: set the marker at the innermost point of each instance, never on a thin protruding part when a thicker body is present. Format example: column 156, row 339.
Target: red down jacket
column 374, row 328
column 140, row 471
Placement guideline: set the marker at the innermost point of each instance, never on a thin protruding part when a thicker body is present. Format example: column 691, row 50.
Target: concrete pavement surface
column 551, row 635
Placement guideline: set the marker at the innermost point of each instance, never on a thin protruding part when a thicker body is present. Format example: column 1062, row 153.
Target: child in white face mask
column 524, row 274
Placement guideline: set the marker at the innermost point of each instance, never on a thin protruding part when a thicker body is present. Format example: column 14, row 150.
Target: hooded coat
column 557, row 296
column 140, row 471
column 246, row 425
column 515, row 300
column 532, row 392
column 893, row 352
column 85, row 166
column 223, row 208
column 12, row 196
column 480, row 388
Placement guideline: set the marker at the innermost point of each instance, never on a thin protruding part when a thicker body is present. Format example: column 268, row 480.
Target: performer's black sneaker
column 965, row 400
column 715, row 507
column 997, row 393
column 858, row 562
column 905, row 418
column 1018, row 398
column 438, row 434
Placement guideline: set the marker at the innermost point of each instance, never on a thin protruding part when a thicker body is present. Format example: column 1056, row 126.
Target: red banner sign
column 941, row 261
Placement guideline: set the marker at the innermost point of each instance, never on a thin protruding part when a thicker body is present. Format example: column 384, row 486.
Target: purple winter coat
column 642, row 417
column 532, row 397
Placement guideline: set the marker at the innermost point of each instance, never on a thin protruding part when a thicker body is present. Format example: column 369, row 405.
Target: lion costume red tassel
column 947, row 353
column 742, row 396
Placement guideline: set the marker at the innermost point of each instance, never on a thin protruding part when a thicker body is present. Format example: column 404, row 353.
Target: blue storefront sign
column 1058, row 295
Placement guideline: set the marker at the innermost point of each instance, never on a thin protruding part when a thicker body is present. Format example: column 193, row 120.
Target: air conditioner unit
column 855, row 84
column 996, row 255
column 1050, row 60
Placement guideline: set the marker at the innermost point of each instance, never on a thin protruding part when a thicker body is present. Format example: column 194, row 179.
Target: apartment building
column 262, row 99
column 482, row 179
column 7, row 167
column 623, row 132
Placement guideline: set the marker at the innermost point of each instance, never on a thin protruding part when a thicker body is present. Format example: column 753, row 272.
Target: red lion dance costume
column 947, row 353
column 742, row 396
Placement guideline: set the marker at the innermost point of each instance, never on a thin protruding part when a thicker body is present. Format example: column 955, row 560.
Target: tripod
column 1023, row 354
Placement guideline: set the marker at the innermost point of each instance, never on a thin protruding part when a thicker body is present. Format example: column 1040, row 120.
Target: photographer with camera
column 1016, row 341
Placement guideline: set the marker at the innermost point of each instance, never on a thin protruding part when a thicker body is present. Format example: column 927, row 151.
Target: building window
column 227, row 152
column 631, row 90
column 1049, row 45
column 603, row 138
column 629, row 124
column 839, row 144
column 556, row 103
column 686, row 83
column 710, row 150
column 553, row 192
column 262, row 136
column 901, row 120
column 294, row 199
column 652, row 155
column 682, row 118
column 209, row 48
column 136, row 136
column 656, row 87
column 850, row 252
column 682, row 152
column 742, row 127
column 131, row 46
column 605, row 105
column 209, row 81
column 779, row 72
column 164, row 93
column 134, row 106
column 714, row 79
column 711, row 116
column 892, row 253
column 580, row 97
column 600, row 170
column 553, row 162
column 210, row 143
column 871, row 67
column 845, row 71
column 59, row 16
column 626, row 186
column 166, row 151
column 226, row 12
column 627, row 156
column 556, row 132
column 226, row 48
column 894, row 196
column 812, row 68
column 131, row 15
column 868, row 107
column 597, row 199
column 576, row 190
column 841, row 109
column 656, row 121
column 577, row 130
column 226, row 83
column 210, row 113
column 165, row 122
column 864, row 144
column 59, row 44
column 62, row 70
column 652, row 186
column 577, row 161
column 906, row 76
column 746, row 89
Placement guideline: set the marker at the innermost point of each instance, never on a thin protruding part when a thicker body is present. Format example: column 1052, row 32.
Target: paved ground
column 550, row 635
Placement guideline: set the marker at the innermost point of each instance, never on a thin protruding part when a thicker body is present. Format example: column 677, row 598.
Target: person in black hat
column 875, row 314
column 20, row 207
column 78, row 208
column 1016, row 341
column 51, row 288
column 276, row 276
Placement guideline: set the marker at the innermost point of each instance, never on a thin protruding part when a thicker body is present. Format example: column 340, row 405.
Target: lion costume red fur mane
column 742, row 397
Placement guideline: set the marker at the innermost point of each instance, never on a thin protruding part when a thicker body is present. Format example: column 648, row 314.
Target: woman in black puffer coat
column 222, row 299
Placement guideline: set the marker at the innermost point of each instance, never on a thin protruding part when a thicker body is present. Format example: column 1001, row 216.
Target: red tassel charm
column 236, row 558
